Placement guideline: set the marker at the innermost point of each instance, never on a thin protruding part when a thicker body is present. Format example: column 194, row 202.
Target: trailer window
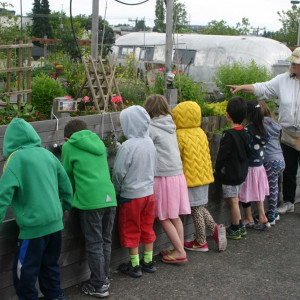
column 123, row 51
column 184, row 56
column 147, row 54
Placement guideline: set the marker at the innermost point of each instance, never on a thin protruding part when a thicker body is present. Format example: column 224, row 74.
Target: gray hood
column 135, row 122
column 165, row 123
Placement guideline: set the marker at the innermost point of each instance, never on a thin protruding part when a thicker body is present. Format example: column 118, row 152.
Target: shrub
column 45, row 69
column 44, row 90
column 218, row 108
column 239, row 73
column 75, row 76
column 133, row 91
column 188, row 90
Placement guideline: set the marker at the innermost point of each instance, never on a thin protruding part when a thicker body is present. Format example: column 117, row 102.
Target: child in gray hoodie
column 133, row 177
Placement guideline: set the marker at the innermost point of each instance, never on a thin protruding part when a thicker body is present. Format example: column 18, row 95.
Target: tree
column 40, row 20
column 59, row 23
column 160, row 12
column 243, row 28
column 109, row 37
column 180, row 22
column 269, row 34
column 289, row 32
column 81, row 24
column 221, row 28
column 45, row 11
column 9, row 29
column 141, row 26
column 36, row 19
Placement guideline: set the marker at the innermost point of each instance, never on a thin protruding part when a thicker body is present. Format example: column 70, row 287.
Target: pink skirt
column 171, row 197
column 256, row 186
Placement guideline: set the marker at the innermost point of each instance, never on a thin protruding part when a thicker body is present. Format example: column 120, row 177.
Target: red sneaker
column 195, row 246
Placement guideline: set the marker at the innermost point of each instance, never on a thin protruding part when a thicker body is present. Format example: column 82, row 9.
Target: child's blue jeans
column 97, row 225
column 38, row 259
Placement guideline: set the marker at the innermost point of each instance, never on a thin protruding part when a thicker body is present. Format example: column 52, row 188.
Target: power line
column 131, row 3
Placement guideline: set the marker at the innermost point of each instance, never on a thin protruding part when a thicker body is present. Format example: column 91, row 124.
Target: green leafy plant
column 188, row 90
column 218, row 108
column 226, row 127
column 110, row 142
column 240, row 73
column 132, row 90
column 44, row 90
column 130, row 71
column 26, row 112
column 75, row 76
column 45, row 69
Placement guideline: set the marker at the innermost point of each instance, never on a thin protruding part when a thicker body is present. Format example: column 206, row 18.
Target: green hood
column 88, row 141
column 19, row 134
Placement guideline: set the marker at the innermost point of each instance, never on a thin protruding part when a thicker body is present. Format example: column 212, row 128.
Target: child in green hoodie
column 85, row 160
column 37, row 187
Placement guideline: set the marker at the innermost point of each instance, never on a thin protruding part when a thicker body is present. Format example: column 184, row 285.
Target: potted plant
column 59, row 68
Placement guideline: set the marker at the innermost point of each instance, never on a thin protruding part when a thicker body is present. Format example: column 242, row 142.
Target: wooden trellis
column 18, row 68
column 99, row 81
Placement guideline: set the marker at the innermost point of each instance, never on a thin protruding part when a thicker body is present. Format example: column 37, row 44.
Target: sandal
column 165, row 252
column 169, row 259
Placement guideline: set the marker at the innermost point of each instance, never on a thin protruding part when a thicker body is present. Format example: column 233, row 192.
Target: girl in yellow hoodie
column 197, row 168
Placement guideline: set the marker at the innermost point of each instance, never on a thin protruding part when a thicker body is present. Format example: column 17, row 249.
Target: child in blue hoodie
column 37, row 187
column 133, row 177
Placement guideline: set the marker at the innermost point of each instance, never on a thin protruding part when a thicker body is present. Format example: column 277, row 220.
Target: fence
column 14, row 65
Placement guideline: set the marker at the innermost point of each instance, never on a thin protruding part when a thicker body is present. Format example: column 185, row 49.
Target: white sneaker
column 286, row 207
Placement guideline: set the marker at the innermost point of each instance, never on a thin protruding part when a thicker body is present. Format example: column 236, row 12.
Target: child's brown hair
column 74, row 126
column 157, row 105
column 265, row 108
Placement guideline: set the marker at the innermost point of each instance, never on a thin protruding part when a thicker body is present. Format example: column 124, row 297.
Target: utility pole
column 133, row 21
column 169, row 29
column 95, row 25
column 257, row 29
column 170, row 92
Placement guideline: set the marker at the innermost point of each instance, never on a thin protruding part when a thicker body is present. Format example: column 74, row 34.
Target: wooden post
column 95, row 25
column 28, row 73
column 20, row 77
column 45, row 47
column 8, row 82
column 170, row 93
column 169, row 41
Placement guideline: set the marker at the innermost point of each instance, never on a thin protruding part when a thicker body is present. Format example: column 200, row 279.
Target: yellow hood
column 187, row 115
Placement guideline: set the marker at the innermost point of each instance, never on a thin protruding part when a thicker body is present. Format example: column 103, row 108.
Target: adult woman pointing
column 285, row 87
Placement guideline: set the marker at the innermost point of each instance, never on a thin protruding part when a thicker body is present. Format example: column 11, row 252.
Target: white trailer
column 200, row 55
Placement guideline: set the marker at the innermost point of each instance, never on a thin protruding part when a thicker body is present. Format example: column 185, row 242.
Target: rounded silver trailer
column 200, row 55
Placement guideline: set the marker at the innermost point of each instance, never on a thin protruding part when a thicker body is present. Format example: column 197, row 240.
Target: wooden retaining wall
column 74, row 268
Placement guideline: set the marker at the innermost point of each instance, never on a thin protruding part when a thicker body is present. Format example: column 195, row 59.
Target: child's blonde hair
column 157, row 105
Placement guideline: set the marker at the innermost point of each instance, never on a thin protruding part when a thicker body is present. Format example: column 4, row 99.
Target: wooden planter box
column 74, row 267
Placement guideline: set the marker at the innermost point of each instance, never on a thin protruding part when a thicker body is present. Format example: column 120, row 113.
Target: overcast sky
column 261, row 13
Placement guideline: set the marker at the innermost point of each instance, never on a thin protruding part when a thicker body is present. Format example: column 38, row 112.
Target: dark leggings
column 289, row 182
